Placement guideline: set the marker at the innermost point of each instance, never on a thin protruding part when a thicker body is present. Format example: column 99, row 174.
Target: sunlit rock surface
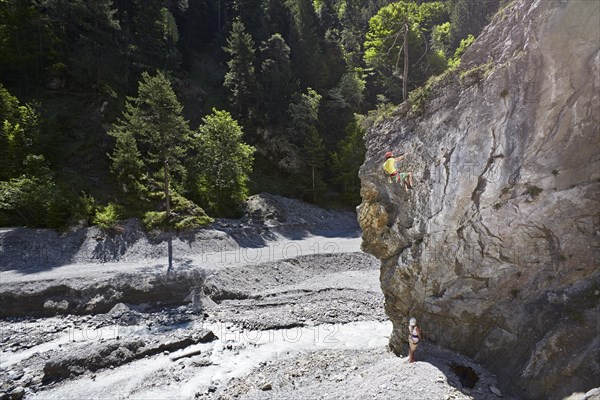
column 496, row 250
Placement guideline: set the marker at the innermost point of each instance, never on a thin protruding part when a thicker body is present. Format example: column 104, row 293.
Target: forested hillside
column 175, row 110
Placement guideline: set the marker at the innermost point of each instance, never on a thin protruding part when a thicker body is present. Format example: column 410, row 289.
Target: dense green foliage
column 33, row 198
column 399, row 34
column 224, row 163
column 115, row 101
column 212, row 165
column 347, row 161
column 18, row 133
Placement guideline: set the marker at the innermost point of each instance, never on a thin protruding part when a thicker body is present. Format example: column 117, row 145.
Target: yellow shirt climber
column 389, row 166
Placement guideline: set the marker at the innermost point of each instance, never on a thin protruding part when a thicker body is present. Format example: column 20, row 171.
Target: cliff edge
column 496, row 250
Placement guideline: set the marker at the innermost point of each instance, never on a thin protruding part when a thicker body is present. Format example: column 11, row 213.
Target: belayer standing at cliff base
column 389, row 166
column 414, row 337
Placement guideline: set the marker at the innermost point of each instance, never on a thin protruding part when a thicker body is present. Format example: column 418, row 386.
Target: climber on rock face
column 389, row 166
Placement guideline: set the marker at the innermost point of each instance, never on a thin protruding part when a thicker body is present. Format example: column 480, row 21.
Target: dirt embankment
column 43, row 273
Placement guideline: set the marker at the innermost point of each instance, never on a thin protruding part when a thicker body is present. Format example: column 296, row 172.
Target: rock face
column 496, row 250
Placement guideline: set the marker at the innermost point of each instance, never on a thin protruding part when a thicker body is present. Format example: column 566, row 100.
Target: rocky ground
column 307, row 326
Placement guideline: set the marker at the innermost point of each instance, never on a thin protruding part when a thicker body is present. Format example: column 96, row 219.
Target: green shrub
column 192, row 223
column 34, row 202
column 437, row 61
column 383, row 111
column 107, row 217
column 84, row 208
column 454, row 62
column 417, row 99
column 185, row 214
column 534, row 191
column 477, row 74
column 155, row 220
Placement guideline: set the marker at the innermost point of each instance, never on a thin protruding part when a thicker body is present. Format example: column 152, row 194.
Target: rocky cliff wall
column 496, row 250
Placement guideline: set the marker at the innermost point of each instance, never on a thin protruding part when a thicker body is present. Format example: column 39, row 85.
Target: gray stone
column 15, row 375
column 118, row 310
column 26, row 379
column 17, row 393
column 496, row 391
column 593, row 394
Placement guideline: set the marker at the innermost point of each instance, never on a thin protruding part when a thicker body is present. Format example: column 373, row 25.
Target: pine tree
column 469, row 17
column 276, row 77
column 307, row 58
column 304, row 114
column 27, row 44
column 154, row 120
column 349, row 93
column 127, row 164
column 252, row 13
column 240, row 79
column 314, row 153
column 347, row 161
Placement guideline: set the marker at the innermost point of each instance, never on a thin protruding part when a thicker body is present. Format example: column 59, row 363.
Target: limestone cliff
column 496, row 250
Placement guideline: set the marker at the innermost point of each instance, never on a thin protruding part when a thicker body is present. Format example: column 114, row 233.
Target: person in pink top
column 414, row 337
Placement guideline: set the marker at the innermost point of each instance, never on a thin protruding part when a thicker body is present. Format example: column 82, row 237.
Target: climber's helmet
column 412, row 322
column 389, row 154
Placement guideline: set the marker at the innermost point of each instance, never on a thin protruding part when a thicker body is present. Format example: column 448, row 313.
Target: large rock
column 496, row 250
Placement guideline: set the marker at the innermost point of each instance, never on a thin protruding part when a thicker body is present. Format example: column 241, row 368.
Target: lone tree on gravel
column 152, row 127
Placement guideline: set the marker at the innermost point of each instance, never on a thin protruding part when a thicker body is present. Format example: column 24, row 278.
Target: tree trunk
column 39, row 66
column 126, row 51
column 314, row 186
column 97, row 56
column 168, row 216
column 170, row 252
column 167, row 203
column 405, row 74
column 219, row 17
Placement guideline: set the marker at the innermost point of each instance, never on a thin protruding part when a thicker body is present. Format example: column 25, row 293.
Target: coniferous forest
column 173, row 111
